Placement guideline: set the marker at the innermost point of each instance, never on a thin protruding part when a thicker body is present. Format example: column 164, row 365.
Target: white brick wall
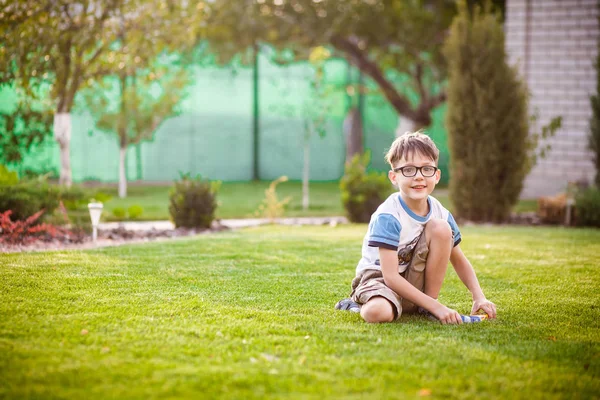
column 560, row 74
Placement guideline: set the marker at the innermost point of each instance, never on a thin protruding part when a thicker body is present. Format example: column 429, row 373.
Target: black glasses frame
column 418, row 169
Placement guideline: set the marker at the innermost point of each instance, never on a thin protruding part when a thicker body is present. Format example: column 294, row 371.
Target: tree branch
column 356, row 56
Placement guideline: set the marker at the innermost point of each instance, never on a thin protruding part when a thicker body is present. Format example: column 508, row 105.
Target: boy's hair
column 407, row 145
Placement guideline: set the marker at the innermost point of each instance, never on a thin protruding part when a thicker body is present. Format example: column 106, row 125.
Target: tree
column 57, row 43
column 146, row 99
column 487, row 121
column 313, row 112
column 383, row 38
column 67, row 44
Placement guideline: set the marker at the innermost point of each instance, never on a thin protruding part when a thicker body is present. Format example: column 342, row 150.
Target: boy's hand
column 486, row 306
column 447, row 315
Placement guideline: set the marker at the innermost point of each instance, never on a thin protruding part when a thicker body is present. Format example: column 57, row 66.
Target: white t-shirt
column 395, row 226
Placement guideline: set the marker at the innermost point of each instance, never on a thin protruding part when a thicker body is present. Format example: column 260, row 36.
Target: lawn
column 249, row 314
column 241, row 200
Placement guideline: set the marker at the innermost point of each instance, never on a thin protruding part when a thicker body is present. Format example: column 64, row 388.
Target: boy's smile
column 414, row 190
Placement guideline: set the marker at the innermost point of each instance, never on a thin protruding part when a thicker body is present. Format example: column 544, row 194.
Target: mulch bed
column 112, row 237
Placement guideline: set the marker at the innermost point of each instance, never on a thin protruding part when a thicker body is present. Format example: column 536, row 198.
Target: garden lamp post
column 95, row 212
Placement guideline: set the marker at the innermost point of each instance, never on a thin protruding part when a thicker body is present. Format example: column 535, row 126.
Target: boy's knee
column 377, row 310
column 438, row 229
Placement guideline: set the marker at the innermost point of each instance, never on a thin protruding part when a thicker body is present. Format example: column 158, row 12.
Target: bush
column 587, row 207
column 135, row 211
column 487, row 121
column 30, row 230
column 362, row 192
column 192, row 202
column 552, row 209
column 119, row 213
column 27, row 198
column 74, row 197
column 8, row 177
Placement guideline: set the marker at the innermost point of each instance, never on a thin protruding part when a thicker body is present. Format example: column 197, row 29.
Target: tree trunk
column 353, row 131
column 122, row 175
column 62, row 134
column 306, row 167
column 406, row 125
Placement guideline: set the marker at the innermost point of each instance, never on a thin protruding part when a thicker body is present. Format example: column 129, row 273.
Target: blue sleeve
column 384, row 231
column 455, row 232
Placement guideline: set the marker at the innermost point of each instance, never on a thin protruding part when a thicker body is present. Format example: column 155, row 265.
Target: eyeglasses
column 410, row 171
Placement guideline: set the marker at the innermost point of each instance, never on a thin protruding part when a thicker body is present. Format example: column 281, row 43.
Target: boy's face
column 418, row 186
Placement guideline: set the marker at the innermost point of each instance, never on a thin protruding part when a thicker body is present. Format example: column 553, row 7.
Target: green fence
column 214, row 135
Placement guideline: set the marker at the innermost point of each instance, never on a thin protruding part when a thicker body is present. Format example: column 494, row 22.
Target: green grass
column 249, row 314
column 241, row 200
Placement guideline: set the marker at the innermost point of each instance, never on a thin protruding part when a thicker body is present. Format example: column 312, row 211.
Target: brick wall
column 554, row 45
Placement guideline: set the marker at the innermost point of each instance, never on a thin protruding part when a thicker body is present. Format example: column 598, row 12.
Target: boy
column 410, row 239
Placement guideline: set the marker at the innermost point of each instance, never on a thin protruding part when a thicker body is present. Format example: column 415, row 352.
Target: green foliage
column 271, row 207
column 135, row 211
column 362, row 192
column 192, row 202
column 380, row 37
column 27, row 198
column 487, row 120
column 22, row 129
column 147, row 97
column 594, row 133
column 102, row 197
column 75, row 197
column 587, row 206
column 119, row 213
column 8, row 177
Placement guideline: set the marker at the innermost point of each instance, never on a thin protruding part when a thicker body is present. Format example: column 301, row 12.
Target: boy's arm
column 465, row 272
column 389, row 269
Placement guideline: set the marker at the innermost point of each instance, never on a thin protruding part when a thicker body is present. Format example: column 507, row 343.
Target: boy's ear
column 438, row 176
column 392, row 177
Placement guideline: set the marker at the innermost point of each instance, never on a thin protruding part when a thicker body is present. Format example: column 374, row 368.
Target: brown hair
column 407, row 145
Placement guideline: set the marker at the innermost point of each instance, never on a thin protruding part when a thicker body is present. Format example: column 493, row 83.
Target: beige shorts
column 369, row 283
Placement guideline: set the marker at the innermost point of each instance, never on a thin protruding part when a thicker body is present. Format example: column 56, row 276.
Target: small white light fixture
column 95, row 212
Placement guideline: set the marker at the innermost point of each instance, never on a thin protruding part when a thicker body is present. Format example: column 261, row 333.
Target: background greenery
column 249, row 314
column 241, row 199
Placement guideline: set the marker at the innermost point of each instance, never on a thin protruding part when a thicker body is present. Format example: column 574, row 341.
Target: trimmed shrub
column 27, row 198
column 363, row 192
column 192, row 202
column 119, row 213
column 135, row 211
column 587, row 207
column 487, row 119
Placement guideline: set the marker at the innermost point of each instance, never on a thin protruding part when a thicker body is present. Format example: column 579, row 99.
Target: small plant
column 8, row 177
column 135, row 211
column 362, row 192
column 119, row 213
column 271, row 207
column 192, row 202
column 587, row 207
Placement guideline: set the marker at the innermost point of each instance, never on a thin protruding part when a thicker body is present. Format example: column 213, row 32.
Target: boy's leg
column 377, row 309
column 378, row 302
column 428, row 266
column 439, row 241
